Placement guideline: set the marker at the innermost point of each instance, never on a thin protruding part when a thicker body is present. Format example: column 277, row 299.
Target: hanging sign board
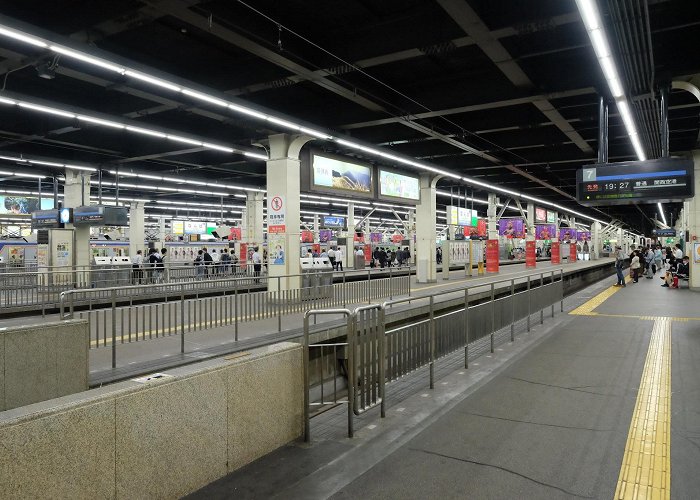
column 530, row 254
column 492, row 256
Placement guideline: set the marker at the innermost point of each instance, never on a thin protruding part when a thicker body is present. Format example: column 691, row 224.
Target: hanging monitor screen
column 334, row 174
column 540, row 215
column 332, row 221
column 662, row 180
column 396, row 185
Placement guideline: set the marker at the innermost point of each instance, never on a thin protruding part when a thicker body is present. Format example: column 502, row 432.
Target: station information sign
column 662, row 180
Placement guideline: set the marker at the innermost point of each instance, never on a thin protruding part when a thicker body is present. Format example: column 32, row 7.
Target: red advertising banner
column 396, row 238
column 530, row 254
column 368, row 253
column 556, row 253
column 307, row 236
column 316, row 249
column 481, row 228
column 243, row 254
column 492, row 256
column 572, row 253
column 235, row 234
column 359, row 238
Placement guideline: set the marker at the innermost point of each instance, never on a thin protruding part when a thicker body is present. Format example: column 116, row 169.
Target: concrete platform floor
column 547, row 416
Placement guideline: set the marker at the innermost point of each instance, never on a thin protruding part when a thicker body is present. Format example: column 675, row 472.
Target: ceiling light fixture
column 663, row 216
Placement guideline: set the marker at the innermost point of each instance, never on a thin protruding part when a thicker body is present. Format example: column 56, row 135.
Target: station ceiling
column 436, row 80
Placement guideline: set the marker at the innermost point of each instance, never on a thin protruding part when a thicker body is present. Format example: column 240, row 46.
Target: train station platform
column 599, row 402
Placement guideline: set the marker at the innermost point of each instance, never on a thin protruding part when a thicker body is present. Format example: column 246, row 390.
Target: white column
column 411, row 233
column 254, row 218
column 283, row 185
column 349, row 254
column 596, row 241
column 137, row 231
column 530, row 221
column 161, row 231
column 77, row 193
column 492, row 214
column 426, row 270
column 692, row 216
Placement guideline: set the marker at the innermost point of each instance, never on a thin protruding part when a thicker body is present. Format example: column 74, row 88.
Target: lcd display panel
column 395, row 185
column 334, row 174
column 540, row 215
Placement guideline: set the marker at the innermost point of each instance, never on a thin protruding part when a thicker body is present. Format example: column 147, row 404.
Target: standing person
column 225, row 261
column 651, row 268
column 331, row 257
column 399, row 256
column 678, row 253
column 157, row 264
column 199, row 264
column 359, row 254
column 208, row 261
column 257, row 264
column 382, row 258
column 658, row 259
column 392, row 257
column 165, row 261
column 407, row 256
column 338, row 259
column 137, row 272
column 634, row 266
column 619, row 264
column 215, row 260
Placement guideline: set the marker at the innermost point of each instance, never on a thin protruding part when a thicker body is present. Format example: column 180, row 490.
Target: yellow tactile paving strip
column 587, row 308
column 646, row 465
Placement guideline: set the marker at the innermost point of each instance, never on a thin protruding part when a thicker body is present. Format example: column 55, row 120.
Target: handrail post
column 512, row 310
column 391, row 285
column 382, row 356
column 529, row 303
column 553, row 301
column 351, row 373
column 466, row 327
column 561, row 278
column 493, row 315
column 279, row 303
column 307, row 423
column 182, row 319
column 542, row 289
column 235, row 312
column 369, row 287
column 114, row 329
column 431, row 331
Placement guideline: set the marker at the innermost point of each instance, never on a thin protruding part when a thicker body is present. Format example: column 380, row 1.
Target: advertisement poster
column 307, row 236
column 556, row 253
column 398, row 186
column 583, row 236
column 23, row 205
column 482, row 229
column 540, row 215
column 375, row 237
column 397, row 238
column 368, row 253
column 359, row 238
column 511, row 228
column 572, row 252
column 276, row 215
column 277, row 253
column 492, row 256
column 530, row 254
column 336, row 174
column 545, row 231
column 235, row 234
column 567, row 234
column 551, row 217
column 325, row 235
column 243, row 255
column 696, row 253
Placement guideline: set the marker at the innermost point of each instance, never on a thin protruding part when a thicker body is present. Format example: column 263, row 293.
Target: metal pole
column 114, row 329
column 235, row 311
column 369, row 288
column 493, row 314
column 561, row 279
column 664, row 122
column 382, row 366
column 116, row 182
column 279, row 303
column 307, row 424
column 99, row 186
column 529, row 304
column 182, row 319
column 552, row 285
column 55, row 193
column 602, row 130
column 466, row 328
column 512, row 310
column 351, row 373
column 431, row 330
column 541, row 290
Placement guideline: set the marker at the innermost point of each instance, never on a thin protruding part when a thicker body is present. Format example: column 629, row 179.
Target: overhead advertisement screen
column 178, row 227
column 333, row 174
column 195, row 227
column 551, row 217
column 650, row 181
column 23, row 205
column 398, row 185
column 458, row 216
column 540, row 215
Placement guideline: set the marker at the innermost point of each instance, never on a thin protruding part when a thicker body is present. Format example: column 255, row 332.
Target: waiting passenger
column 199, row 264
column 136, row 270
column 619, row 264
column 634, row 266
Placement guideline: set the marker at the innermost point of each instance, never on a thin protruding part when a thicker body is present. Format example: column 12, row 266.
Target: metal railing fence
column 378, row 354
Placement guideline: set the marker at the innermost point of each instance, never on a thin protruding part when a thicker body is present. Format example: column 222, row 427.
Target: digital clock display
column 662, row 180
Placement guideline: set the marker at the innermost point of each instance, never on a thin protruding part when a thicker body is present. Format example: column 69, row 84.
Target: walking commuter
column 215, row 261
column 338, row 259
column 331, row 257
column 619, row 264
column 165, row 263
column 257, row 264
column 136, row 268
column 157, row 265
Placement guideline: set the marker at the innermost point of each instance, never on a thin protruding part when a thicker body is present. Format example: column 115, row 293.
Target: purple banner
column 545, row 231
column 583, row 236
column 567, row 234
column 511, row 228
column 375, row 237
column 325, row 235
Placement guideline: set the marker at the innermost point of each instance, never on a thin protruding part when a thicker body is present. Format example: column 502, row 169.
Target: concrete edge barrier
column 158, row 438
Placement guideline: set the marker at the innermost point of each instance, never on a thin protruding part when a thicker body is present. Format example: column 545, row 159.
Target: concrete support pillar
column 530, row 221
column 691, row 214
column 254, row 218
column 596, row 240
column 283, row 210
column 426, row 216
column 557, row 224
column 411, row 235
column 161, row 230
column 492, row 214
column 137, row 230
column 77, row 193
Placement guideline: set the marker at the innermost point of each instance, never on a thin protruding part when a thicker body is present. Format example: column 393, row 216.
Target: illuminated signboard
column 396, row 185
column 662, row 180
column 178, row 227
column 23, row 205
column 332, row 174
column 100, row 215
column 65, row 216
column 551, row 217
column 331, row 221
column 458, row 216
column 540, row 215
column 45, row 219
column 195, row 227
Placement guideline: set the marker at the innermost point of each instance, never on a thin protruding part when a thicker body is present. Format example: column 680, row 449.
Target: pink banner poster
column 375, row 237
column 325, row 235
column 567, row 234
column 545, row 231
column 511, row 228
column 583, row 236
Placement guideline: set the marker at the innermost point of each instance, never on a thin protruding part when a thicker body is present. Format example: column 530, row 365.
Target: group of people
column 385, row 257
column 150, row 269
column 647, row 261
column 207, row 263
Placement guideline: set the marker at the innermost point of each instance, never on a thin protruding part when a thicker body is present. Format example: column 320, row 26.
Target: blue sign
column 330, row 221
column 664, row 232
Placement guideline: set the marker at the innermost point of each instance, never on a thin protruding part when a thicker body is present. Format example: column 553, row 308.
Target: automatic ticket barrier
column 111, row 271
column 316, row 278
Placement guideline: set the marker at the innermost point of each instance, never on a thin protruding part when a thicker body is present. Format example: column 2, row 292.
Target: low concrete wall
column 40, row 362
column 156, row 439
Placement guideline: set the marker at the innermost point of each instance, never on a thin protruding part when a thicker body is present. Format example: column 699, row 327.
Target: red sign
column 397, row 238
column 359, row 238
column 572, row 252
column 235, row 234
column 530, row 254
column 243, row 254
column 491, row 256
column 556, row 253
column 368, row 253
column 481, row 228
column 316, row 248
column 307, row 237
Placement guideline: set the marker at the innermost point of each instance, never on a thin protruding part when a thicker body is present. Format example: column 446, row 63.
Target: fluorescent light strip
column 586, row 7
column 663, row 216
